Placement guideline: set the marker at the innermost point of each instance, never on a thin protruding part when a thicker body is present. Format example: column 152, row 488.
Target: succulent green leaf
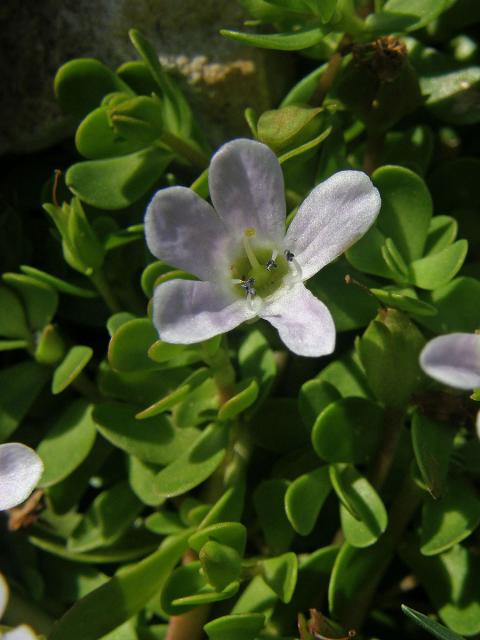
column 432, row 444
column 404, row 15
column 141, row 476
column 122, row 596
column 128, row 348
column 269, row 501
column 71, row 367
column 116, row 183
column 20, row 385
column 313, row 398
column 195, row 464
column 40, row 300
column 153, row 440
column 450, row 518
column 457, row 306
column 280, row 574
column 431, row 625
column 67, row 443
column 221, row 564
column 239, row 626
column 305, row 498
column 192, row 382
column 81, row 84
column 441, row 234
column 109, row 516
column 362, row 512
column 57, row 283
column 231, row 534
column 404, row 299
column 256, row 360
column 438, row 269
column 247, row 393
column 13, row 323
column 348, row 430
column 301, row 39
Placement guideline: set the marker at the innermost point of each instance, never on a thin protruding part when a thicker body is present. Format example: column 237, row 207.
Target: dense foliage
column 230, row 489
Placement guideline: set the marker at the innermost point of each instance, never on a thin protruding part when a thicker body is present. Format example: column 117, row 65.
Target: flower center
column 259, row 270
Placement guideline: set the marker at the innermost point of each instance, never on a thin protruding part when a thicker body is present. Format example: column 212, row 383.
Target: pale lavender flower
column 247, row 264
column 20, row 470
column 453, row 359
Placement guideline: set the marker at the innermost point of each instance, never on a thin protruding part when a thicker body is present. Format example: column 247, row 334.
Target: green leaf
column 153, row 440
column 348, row 430
column 68, row 443
column 451, row 580
column 12, row 319
column 406, row 209
column 192, row 382
column 305, row 498
column 56, row 283
column 141, row 477
column 302, row 92
column 247, row 393
column 269, row 500
column 221, row 564
column 301, row 39
column 432, row 444
column 71, row 367
column 12, row 345
column 39, row 299
column 450, row 86
column 128, row 348
column 457, row 304
column 280, row 574
column 288, row 127
column 362, row 512
column 187, row 588
column 108, row 517
column 19, row 387
column 231, row 534
column 116, row 183
column 404, row 15
column 81, row 84
column 430, row 625
column 438, row 269
column 256, row 360
column 164, row 523
column 441, row 234
column 347, row 376
column 122, row 596
column 313, row 398
column 195, row 464
column 404, row 299
column 366, row 254
column 450, row 518
column 239, row 626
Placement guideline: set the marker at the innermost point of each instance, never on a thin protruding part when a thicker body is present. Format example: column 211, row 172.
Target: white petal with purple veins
column 20, row 471
column 188, row 311
column 246, row 187
column 184, row 231
column 333, row 217
column 453, row 359
column 304, row 323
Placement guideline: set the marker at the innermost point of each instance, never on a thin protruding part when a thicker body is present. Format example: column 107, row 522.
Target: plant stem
column 393, row 424
column 189, row 625
column 331, row 71
column 186, row 150
column 371, row 159
column 101, row 284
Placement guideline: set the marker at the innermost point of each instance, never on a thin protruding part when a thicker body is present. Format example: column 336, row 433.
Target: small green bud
column 389, row 351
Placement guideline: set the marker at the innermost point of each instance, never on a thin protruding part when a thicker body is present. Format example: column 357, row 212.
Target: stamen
column 252, row 258
column 271, row 264
column 290, row 258
column 249, row 286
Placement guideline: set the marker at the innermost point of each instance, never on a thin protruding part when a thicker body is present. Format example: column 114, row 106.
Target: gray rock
column 221, row 77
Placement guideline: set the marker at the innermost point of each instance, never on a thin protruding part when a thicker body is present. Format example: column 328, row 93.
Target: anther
column 271, row 264
column 249, row 286
column 289, row 256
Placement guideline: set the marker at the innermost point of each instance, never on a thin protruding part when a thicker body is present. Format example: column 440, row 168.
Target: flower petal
column 184, row 231
column 187, row 311
column 453, row 359
column 20, row 470
column 304, row 323
column 246, row 187
column 332, row 218
column 23, row 632
column 4, row 595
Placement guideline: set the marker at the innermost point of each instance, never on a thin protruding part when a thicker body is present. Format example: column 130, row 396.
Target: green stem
column 101, row 284
column 331, row 72
column 382, row 463
column 186, row 150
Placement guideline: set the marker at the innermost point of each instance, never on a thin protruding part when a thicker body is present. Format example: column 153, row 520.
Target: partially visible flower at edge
column 23, row 632
column 20, row 471
column 453, row 359
column 247, row 265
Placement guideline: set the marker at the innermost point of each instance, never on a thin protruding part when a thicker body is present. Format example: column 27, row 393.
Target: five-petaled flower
column 247, row 265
